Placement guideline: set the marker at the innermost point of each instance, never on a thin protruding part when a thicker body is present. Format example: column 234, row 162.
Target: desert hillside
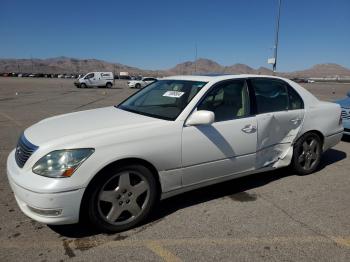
column 66, row 65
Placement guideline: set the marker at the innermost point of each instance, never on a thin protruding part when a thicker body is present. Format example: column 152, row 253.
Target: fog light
column 46, row 212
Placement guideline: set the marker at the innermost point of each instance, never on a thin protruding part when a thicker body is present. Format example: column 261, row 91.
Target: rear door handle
column 295, row 120
column 249, row 129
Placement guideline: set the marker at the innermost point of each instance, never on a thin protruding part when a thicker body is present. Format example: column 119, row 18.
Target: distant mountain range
column 64, row 65
column 208, row 66
column 201, row 66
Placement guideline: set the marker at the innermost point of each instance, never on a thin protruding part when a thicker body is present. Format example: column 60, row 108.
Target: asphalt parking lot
column 276, row 216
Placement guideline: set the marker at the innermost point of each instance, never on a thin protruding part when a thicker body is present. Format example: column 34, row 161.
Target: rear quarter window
column 295, row 100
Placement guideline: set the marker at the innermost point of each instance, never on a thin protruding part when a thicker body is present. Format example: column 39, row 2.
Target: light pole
column 195, row 58
column 277, row 33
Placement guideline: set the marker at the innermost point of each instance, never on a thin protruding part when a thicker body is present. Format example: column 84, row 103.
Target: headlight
column 61, row 163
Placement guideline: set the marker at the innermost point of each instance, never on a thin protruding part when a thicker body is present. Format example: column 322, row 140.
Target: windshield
column 163, row 99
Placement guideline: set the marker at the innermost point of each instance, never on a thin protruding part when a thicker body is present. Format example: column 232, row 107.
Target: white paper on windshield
column 175, row 94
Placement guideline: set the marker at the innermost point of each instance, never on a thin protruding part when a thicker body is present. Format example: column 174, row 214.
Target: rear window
column 106, row 75
column 271, row 95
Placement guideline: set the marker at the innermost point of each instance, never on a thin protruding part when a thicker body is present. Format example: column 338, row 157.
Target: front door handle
column 249, row 129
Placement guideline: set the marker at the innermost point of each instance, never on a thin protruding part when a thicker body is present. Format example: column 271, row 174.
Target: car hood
column 345, row 102
column 84, row 124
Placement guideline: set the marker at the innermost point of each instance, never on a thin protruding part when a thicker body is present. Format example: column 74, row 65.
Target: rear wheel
column 109, row 85
column 307, row 154
column 122, row 199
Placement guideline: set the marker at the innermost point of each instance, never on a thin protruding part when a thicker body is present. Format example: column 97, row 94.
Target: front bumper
column 49, row 208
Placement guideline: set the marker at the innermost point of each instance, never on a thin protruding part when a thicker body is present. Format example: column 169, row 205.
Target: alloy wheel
column 123, row 197
column 310, row 152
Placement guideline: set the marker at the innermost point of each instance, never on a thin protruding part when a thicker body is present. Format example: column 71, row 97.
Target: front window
column 228, row 100
column 90, row 76
column 163, row 99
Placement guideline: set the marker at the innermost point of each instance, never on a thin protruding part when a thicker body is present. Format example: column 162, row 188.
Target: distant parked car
column 299, row 80
column 125, row 77
column 345, row 112
column 141, row 83
column 95, row 79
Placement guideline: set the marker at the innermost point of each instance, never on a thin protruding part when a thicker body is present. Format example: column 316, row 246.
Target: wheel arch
column 110, row 167
column 314, row 131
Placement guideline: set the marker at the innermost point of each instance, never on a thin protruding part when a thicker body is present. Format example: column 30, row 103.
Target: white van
column 98, row 79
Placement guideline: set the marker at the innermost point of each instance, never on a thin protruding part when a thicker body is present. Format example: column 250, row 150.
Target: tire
column 83, row 85
column 121, row 199
column 138, row 86
column 307, row 154
column 109, row 85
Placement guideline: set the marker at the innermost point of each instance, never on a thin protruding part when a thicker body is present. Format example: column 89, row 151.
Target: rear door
column 279, row 114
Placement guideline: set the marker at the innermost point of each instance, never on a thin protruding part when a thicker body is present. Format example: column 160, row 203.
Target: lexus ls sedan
column 110, row 165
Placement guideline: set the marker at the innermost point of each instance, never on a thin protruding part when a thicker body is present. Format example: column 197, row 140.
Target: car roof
column 215, row 78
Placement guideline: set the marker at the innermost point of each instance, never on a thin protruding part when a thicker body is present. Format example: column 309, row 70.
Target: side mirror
column 201, row 117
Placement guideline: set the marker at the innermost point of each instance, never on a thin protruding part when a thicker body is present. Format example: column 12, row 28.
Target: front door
column 228, row 145
column 89, row 79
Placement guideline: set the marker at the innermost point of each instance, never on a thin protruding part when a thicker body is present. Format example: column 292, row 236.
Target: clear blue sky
column 157, row 34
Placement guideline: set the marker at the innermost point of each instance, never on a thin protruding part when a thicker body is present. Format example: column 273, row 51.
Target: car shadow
column 234, row 189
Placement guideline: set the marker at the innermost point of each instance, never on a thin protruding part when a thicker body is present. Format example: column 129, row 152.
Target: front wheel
column 307, row 154
column 83, row 85
column 121, row 199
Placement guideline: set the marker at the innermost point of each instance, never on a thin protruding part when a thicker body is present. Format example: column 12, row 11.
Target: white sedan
column 111, row 165
column 141, row 83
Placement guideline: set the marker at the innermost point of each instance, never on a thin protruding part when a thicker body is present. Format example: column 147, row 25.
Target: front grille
column 24, row 150
column 345, row 114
